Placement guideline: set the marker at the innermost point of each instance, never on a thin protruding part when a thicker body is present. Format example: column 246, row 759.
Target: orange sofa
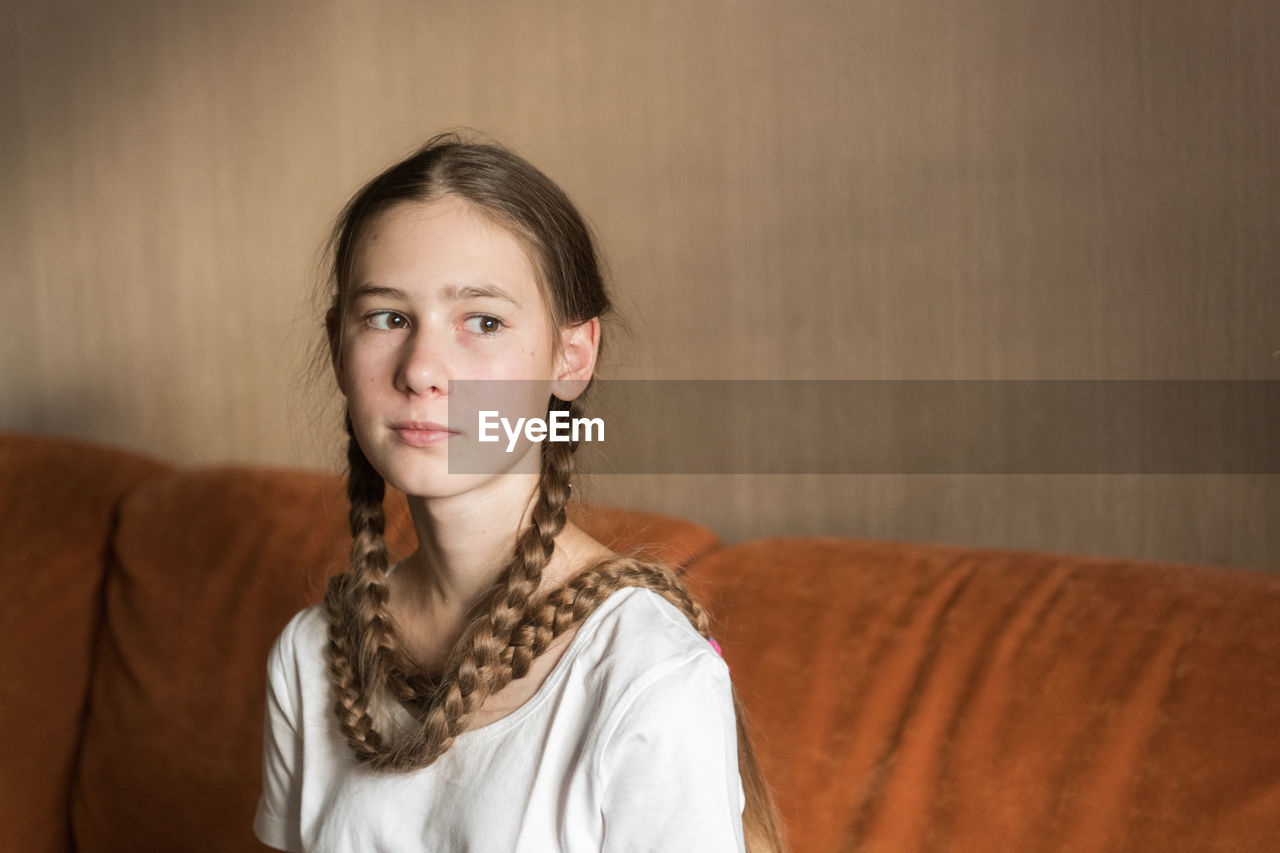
column 904, row 697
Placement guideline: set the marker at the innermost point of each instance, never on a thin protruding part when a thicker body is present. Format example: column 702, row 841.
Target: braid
column 480, row 664
column 577, row 599
column 496, row 648
column 362, row 643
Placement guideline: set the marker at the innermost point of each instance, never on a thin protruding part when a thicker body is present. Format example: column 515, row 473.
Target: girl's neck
column 463, row 544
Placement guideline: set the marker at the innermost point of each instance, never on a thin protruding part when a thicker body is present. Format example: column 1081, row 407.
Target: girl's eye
column 484, row 324
column 387, row 321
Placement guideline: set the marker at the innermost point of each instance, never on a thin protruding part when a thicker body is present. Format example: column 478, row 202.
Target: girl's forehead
column 435, row 226
column 432, row 243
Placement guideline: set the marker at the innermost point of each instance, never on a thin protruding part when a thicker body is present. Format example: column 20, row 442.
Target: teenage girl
column 512, row 685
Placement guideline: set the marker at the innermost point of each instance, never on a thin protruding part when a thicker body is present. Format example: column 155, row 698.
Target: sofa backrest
column 57, row 512
column 916, row 697
column 905, row 697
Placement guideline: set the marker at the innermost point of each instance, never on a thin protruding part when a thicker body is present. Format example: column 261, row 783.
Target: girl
column 512, row 685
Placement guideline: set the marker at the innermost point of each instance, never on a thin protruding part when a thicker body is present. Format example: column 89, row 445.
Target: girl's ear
column 332, row 327
column 579, row 346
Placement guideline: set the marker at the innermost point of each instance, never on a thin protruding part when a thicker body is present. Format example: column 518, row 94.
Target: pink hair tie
column 716, row 646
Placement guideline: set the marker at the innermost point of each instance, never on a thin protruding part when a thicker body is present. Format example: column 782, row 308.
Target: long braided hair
column 511, row 628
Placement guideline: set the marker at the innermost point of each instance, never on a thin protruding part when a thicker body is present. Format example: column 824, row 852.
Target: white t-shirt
column 629, row 745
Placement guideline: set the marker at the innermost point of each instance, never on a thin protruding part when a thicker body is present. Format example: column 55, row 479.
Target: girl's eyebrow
column 369, row 290
column 452, row 292
column 458, row 292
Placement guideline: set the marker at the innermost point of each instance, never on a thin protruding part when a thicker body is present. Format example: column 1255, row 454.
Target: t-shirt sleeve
column 278, row 817
column 669, row 766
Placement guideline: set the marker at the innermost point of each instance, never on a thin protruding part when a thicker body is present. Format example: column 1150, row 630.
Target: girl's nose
column 424, row 366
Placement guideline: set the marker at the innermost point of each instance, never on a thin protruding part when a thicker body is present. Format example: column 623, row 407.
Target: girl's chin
column 454, row 485
column 434, row 486
column 424, row 472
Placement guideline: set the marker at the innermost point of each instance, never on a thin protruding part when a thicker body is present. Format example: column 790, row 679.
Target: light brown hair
column 512, row 627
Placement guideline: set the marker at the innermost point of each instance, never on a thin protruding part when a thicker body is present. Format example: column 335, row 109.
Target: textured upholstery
column 905, row 697
column 914, row 697
column 58, row 503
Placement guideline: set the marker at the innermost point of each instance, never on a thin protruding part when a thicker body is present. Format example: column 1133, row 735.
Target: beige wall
column 898, row 189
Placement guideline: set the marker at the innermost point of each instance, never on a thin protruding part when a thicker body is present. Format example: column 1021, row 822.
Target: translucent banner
column 880, row 426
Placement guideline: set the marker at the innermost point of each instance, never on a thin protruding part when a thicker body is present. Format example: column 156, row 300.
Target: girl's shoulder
column 639, row 619
column 297, row 652
column 302, row 629
column 637, row 638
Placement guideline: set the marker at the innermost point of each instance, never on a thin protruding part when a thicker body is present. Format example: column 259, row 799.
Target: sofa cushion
column 58, row 506
column 211, row 564
column 915, row 697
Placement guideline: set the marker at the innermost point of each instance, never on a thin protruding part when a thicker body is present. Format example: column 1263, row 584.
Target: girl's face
column 438, row 292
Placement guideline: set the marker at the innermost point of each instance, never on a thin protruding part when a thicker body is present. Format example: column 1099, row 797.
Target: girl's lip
column 423, row 426
column 422, row 437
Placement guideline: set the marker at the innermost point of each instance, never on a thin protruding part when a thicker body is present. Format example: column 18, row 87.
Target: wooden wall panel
column 893, row 189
